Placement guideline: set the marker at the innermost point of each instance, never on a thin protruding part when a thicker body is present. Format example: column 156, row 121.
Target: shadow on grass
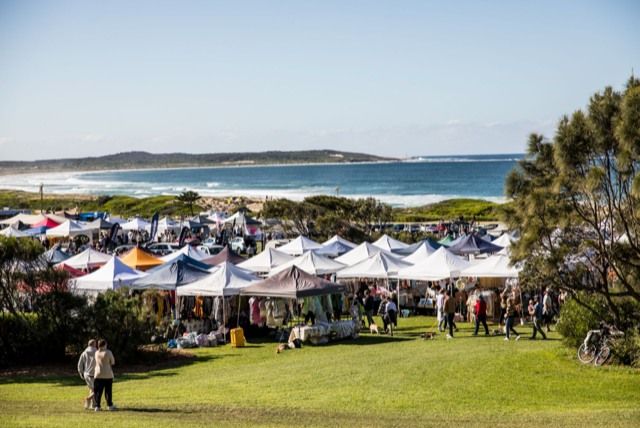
column 150, row 410
column 63, row 376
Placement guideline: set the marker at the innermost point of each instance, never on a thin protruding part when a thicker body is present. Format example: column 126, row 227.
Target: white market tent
column 225, row 280
column 504, row 240
column 265, row 261
column 32, row 219
column 442, row 264
column 341, row 240
column 387, row 243
column 299, row 246
column 11, row 232
column 312, row 263
column 379, row 265
column 69, row 229
column 111, row 276
column 87, row 259
column 421, row 253
column 164, row 224
column 361, row 252
column 136, row 224
column 191, row 251
column 497, row 266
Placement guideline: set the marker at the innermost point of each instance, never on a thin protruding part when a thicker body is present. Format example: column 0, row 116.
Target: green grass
column 450, row 209
column 374, row 381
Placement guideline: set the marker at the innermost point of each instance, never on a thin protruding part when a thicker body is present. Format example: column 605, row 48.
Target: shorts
column 89, row 381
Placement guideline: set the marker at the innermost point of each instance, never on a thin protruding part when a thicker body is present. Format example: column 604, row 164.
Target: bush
column 19, row 339
column 575, row 320
column 120, row 320
column 627, row 350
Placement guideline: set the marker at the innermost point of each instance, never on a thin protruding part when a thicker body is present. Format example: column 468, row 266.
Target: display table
column 321, row 333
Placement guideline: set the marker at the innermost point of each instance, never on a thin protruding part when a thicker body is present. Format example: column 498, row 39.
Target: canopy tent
column 265, row 261
column 73, row 273
column 420, row 254
column 136, row 224
column 164, row 224
column 387, row 243
column 312, row 263
column 46, row 222
column 413, row 247
column 181, row 271
column 111, row 276
column 88, row 259
column 35, row 231
column 339, row 239
column 442, row 264
column 98, row 224
column 227, row 255
column 217, row 217
column 496, row 266
column 503, row 240
column 379, row 265
column 473, row 244
column 446, row 241
column 293, row 283
column 191, row 225
column 11, row 232
column 32, row 219
column 55, row 255
column 224, row 280
column 334, row 249
column 190, row 251
column 361, row 252
column 299, row 245
column 139, row 259
column 68, row 229
column 241, row 219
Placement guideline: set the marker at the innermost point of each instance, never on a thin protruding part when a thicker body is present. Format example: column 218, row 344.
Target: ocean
column 413, row 182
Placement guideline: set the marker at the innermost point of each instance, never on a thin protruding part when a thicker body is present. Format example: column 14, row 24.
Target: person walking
column 450, row 312
column 390, row 317
column 103, row 377
column 86, row 369
column 368, row 307
column 510, row 315
column 537, row 319
column 547, row 309
column 480, row 311
column 440, row 310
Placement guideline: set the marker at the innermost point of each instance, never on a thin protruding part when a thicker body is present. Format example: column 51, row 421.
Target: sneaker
column 97, row 409
column 449, row 336
column 518, row 337
column 112, row 408
column 87, row 403
column 506, row 338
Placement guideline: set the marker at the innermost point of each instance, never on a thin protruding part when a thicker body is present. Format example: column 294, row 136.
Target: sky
column 395, row 78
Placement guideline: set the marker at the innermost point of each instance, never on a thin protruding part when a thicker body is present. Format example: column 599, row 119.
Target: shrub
column 19, row 339
column 575, row 320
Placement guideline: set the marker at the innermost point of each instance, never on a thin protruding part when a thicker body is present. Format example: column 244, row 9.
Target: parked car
column 122, row 249
column 211, row 249
column 237, row 244
column 162, row 248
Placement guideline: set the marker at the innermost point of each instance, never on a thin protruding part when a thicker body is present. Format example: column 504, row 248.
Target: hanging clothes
column 254, row 311
column 197, row 310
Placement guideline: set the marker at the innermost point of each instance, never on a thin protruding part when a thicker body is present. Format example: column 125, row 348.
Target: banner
column 154, row 227
column 183, row 236
column 112, row 234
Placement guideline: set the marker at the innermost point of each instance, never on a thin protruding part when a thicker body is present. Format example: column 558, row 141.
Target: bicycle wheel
column 603, row 356
column 586, row 353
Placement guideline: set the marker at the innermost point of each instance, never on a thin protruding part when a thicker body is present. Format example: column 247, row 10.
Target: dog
column 282, row 347
column 373, row 329
column 429, row 335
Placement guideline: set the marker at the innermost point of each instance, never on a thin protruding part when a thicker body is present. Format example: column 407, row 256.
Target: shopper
column 480, row 311
column 103, row 381
column 450, row 312
column 390, row 317
column 547, row 309
column 368, row 307
column 537, row 319
column 510, row 315
column 440, row 310
column 86, row 369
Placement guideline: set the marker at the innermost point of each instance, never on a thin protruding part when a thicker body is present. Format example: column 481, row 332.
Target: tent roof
column 11, row 232
column 227, row 255
column 503, row 240
column 473, row 244
column 190, row 251
column 224, row 280
column 140, row 259
column 299, row 245
column 293, row 283
column 340, row 239
column 55, row 255
column 136, row 224
column 240, row 218
column 446, row 241
column 431, row 243
column 113, row 275
column 67, row 229
column 98, row 223
column 265, row 261
column 333, row 249
column 182, row 270
column 46, row 222
column 420, row 253
column 379, row 265
column 312, row 263
column 496, row 266
column 361, row 252
column 442, row 264
column 89, row 258
column 387, row 243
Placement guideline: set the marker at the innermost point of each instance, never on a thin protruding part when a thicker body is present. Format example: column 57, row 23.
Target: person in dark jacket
column 538, row 318
column 450, row 312
column 368, row 307
column 480, row 311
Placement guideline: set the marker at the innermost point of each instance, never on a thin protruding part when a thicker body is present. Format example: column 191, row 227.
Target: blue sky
column 393, row 78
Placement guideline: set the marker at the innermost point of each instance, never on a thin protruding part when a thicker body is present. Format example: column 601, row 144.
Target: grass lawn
column 374, row 381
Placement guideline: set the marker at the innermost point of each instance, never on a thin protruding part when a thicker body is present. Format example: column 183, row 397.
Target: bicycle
column 596, row 346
